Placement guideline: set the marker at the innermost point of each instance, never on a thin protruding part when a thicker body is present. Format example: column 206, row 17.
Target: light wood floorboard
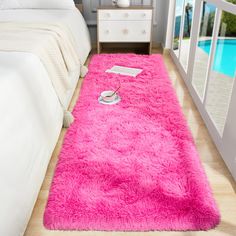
column 222, row 183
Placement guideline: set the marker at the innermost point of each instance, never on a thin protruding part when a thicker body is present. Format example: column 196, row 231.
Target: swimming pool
column 225, row 58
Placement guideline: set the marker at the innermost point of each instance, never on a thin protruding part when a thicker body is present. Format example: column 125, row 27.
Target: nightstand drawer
column 122, row 31
column 132, row 15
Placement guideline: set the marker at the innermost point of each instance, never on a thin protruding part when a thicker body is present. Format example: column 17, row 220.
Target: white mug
column 123, row 3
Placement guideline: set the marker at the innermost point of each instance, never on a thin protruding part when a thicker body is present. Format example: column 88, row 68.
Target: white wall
column 160, row 21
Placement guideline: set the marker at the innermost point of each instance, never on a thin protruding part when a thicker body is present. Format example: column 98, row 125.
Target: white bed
column 31, row 119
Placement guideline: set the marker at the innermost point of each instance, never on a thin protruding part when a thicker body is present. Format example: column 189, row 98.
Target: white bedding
column 31, row 119
column 72, row 18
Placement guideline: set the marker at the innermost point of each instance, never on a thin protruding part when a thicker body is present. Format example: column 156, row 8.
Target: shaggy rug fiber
column 132, row 166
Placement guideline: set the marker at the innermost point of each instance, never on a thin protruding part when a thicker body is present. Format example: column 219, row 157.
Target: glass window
column 177, row 29
column 223, row 71
column 185, row 43
column 203, row 48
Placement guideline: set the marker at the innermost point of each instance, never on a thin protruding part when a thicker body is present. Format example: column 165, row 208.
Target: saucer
column 117, row 100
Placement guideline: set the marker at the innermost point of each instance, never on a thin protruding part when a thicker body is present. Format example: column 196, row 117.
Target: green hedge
column 230, row 21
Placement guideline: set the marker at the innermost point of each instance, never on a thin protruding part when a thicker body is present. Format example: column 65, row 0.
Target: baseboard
column 156, row 45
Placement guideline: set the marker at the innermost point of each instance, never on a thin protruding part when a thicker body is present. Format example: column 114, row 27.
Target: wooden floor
column 224, row 187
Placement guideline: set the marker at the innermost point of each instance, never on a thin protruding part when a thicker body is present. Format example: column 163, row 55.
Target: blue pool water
column 225, row 58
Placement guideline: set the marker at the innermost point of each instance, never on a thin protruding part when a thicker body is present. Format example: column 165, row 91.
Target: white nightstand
column 124, row 25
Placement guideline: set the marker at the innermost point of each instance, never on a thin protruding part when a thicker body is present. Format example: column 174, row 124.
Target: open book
column 122, row 70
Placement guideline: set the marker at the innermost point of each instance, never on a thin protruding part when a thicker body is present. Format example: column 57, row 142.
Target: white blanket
column 71, row 18
column 52, row 43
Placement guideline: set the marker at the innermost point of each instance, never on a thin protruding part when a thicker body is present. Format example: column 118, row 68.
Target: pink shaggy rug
column 131, row 166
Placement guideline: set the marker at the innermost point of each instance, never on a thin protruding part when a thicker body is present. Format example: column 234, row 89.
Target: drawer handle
column 126, row 15
column 144, row 31
column 125, row 31
column 107, row 31
column 144, row 15
column 108, row 15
